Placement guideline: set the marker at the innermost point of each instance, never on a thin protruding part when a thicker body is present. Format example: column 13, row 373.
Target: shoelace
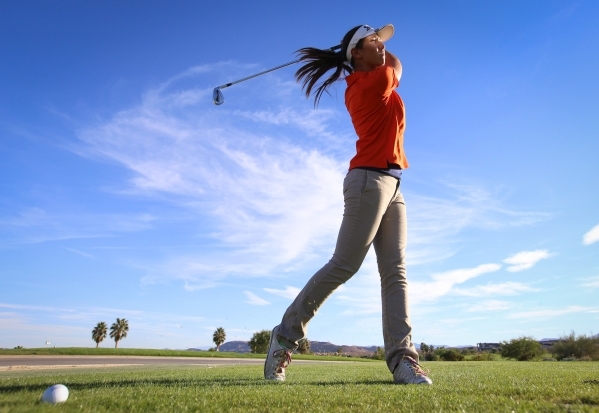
column 284, row 358
column 415, row 367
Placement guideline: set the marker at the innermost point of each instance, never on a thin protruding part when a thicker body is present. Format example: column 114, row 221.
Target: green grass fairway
column 497, row 386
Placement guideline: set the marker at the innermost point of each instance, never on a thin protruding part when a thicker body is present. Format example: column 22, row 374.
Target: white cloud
column 443, row 283
column 525, row 260
column 253, row 299
column 84, row 254
column 92, row 313
column 552, row 312
column 507, row 288
column 36, row 225
column 594, row 283
column 362, row 296
column 34, row 325
column 313, row 122
column 464, row 274
column 18, row 330
column 288, row 292
column 490, row 305
column 434, row 221
column 271, row 205
column 33, row 307
column 592, row 236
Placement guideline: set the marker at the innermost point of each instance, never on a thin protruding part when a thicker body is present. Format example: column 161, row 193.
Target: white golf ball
column 56, row 394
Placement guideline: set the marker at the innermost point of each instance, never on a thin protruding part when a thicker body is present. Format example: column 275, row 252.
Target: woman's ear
column 355, row 54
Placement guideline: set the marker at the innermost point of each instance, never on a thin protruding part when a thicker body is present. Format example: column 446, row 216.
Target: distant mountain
column 235, row 347
column 315, row 346
column 230, row 346
column 326, row 347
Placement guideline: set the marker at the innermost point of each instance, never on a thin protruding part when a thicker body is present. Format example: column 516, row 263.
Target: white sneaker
column 408, row 371
column 277, row 359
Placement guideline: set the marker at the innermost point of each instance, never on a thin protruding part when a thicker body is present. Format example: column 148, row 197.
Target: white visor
column 384, row 33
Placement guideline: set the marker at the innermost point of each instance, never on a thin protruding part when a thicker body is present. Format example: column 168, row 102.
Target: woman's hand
column 392, row 61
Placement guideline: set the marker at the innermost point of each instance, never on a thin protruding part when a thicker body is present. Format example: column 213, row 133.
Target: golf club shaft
column 269, row 70
column 258, row 74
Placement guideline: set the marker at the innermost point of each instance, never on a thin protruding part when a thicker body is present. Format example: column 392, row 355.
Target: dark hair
column 320, row 61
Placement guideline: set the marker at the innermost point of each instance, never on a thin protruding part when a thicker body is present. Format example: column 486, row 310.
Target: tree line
column 568, row 347
column 524, row 348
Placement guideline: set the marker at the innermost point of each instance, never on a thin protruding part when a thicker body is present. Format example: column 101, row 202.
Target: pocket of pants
column 355, row 182
column 369, row 178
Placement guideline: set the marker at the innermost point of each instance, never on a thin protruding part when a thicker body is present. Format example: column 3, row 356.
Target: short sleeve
column 384, row 80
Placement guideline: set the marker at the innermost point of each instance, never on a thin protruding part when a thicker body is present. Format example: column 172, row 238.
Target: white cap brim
column 385, row 33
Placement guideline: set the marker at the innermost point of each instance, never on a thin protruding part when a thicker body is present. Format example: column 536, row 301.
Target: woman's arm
column 392, row 61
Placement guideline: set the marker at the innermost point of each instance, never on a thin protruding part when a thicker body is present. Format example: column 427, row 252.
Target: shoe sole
column 272, row 334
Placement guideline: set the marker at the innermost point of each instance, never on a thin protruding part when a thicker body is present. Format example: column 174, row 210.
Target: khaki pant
column 374, row 212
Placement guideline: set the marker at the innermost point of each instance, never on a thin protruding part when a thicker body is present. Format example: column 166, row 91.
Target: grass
column 501, row 386
column 87, row 351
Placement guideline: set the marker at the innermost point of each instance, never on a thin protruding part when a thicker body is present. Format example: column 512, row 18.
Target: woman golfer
column 374, row 211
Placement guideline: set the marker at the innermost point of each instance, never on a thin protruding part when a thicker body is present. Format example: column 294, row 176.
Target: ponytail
column 320, row 62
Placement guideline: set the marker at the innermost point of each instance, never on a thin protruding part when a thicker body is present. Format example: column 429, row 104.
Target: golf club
column 217, row 95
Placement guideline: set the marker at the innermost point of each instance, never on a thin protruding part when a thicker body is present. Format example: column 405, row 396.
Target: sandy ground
column 60, row 366
column 26, row 363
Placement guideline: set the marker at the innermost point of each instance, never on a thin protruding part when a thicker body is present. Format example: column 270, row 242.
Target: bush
column 379, row 354
column 482, row 356
column 259, row 342
column 303, row 346
column 431, row 357
column 571, row 346
column 449, row 354
column 428, row 352
column 521, row 349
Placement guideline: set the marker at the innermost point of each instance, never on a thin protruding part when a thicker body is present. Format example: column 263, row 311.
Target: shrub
column 303, row 346
column 482, row 356
column 431, row 357
column 259, row 342
column 428, row 352
column 521, row 349
column 449, row 354
column 571, row 346
column 379, row 354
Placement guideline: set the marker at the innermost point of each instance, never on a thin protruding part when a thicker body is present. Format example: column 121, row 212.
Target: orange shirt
column 378, row 115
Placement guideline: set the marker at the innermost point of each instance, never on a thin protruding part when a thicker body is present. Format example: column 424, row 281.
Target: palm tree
column 118, row 330
column 99, row 333
column 219, row 337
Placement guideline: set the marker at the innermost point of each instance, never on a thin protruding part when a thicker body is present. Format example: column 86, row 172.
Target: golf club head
column 217, row 96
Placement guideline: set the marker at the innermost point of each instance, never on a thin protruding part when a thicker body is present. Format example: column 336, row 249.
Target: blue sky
column 124, row 192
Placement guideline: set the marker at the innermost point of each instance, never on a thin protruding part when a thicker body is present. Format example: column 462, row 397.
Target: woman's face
column 371, row 54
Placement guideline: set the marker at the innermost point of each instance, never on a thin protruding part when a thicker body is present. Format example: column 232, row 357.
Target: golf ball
column 56, row 394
